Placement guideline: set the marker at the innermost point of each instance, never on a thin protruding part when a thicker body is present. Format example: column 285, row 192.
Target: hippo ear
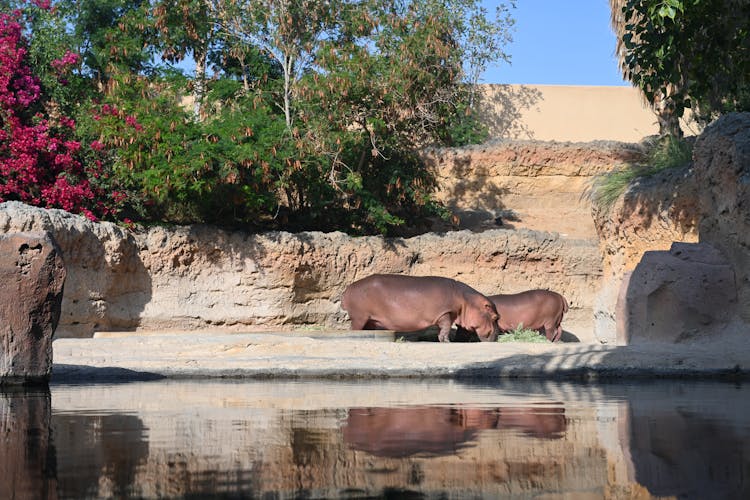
column 491, row 310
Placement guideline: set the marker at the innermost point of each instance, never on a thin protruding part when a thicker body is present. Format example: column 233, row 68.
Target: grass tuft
column 661, row 154
column 521, row 334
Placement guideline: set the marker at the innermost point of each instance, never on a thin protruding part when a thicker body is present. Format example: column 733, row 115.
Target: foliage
column 112, row 36
column 521, row 334
column 660, row 154
column 41, row 162
column 221, row 170
column 312, row 116
column 688, row 54
column 393, row 83
column 185, row 27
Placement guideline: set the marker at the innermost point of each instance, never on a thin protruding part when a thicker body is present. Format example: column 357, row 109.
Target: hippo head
column 480, row 316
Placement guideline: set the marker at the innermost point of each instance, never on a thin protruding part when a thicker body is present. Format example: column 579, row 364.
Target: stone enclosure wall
column 698, row 289
column 202, row 277
column 529, row 184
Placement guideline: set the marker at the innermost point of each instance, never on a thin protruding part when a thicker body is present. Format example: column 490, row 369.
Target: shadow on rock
column 85, row 375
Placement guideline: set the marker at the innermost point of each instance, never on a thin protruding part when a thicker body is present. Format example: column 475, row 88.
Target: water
column 380, row 439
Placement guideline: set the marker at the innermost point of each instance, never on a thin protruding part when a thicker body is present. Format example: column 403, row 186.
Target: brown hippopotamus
column 540, row 310
column 411, row 303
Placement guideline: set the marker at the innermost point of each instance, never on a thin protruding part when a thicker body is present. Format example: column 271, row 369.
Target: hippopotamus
column 540, row 310
column 412, row 303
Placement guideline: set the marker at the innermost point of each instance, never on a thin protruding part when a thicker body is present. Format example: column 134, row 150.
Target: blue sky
column 559, row 42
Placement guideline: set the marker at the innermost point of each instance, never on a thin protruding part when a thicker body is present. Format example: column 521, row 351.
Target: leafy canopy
column 689, row 54
column 300, row 114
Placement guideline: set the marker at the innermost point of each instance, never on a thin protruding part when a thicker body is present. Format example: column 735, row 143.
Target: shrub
column 660, row 154
column 40, row 158
column 223, row 169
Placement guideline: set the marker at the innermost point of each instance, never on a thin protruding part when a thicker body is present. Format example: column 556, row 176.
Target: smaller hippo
column 411, row 303
column 540, row 310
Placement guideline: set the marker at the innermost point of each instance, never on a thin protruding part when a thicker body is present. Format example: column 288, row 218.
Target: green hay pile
column 521, row 334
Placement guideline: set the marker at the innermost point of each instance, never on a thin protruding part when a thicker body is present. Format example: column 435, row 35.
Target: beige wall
column 568, row 113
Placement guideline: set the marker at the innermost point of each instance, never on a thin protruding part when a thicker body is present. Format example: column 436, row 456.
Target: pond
column 376, row 439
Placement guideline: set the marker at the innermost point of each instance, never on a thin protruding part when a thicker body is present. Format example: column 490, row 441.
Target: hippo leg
column 552, row 333
column 359, row 322
column 558, row 333
column 444, row 323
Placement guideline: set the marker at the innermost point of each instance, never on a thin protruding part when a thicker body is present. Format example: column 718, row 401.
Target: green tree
column 186, row 27
column 367, row 85
column 112, row 36
column 313, row 114
column 288, row 31
column 219, row 170
column 686, row 54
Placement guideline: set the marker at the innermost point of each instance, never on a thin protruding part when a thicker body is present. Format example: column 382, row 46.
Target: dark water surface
column 380, row 439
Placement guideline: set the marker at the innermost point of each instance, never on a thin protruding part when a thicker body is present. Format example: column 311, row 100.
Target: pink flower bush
column 18, row 87
column 42, row 4
column 40, row 162
column 66, row 62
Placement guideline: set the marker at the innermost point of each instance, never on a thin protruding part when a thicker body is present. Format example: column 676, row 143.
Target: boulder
column 106, row 285
column 33, row 275
column 652, row 214
column 708, row 201
column 673, row 296
column 722, row 170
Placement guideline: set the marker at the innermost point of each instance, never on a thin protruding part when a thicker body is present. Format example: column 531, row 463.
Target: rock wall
column 529, row 184
column 200, row 277
column 650, row 215
column 706, row 203
column 722, row 172
column 106, row 281
column 507, row 193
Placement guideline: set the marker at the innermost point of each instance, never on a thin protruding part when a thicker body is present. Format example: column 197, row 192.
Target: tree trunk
column 288, row 68
column 199, row 85
column 669, row 122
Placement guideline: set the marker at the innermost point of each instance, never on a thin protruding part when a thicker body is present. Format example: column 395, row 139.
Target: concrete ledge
column 281, row 355
column 374, row 335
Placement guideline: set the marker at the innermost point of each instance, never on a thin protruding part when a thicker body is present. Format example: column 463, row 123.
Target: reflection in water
column 691, row 451
column 27, row 462
column 426, row 439
column 101, row 451
column 440, row 430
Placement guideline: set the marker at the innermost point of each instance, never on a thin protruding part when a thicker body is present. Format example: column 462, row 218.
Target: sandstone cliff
column 528, row 184
column 707, row 203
